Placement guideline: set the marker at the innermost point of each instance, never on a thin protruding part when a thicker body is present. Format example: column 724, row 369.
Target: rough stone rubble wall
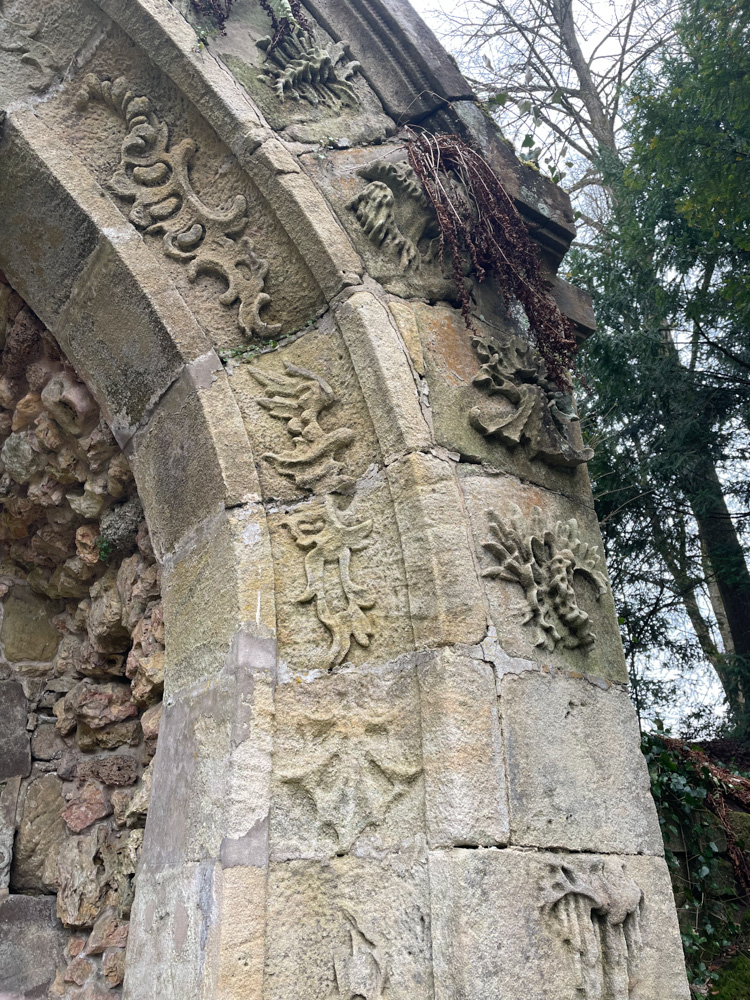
column 397, row 758
column 81, row 673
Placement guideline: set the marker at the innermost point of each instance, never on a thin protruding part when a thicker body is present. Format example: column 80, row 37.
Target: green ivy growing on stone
column 691, row 796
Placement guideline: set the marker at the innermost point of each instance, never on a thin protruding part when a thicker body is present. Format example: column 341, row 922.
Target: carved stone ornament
column 299, row 397
column 360, row 969
column 394, row 213
column 157, row 180
column 543, row 557
column 19, row 38
column 542, row 418
column 596, row 907
column 301, row 68
column 329, row 536
column 354, row 777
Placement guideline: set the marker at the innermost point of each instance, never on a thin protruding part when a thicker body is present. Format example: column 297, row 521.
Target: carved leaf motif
column 360, row 969
column 156, row 179
column 597, row 906
column 542, row 417
column 393, row 211
column 19, row 38
column 543, row 558
column 301, row 68
column 299, row 397
column 329, row 536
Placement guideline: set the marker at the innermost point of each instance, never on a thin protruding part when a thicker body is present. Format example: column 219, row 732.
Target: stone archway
column 379, row 745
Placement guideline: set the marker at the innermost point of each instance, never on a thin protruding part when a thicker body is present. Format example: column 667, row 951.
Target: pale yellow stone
column 242, row 935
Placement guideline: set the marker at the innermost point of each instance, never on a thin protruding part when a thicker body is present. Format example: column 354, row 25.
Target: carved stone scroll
column 299, row 397
column 329, row 536
column 597, row 910
column 542, row 418
column 301, row 68
column 19, row 38
column 394, row 212
column 157, row 180
column 543, row 558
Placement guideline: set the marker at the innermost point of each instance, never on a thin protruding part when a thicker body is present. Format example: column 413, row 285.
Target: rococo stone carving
column 542, row 417
column 329, row 536
column 157, row 180
column 19, row 38
column 394, row 212
column 354, row 777
column 543, row 558
column 299, row 397
column 597, row 911
column 359, row 969
column 301, row 68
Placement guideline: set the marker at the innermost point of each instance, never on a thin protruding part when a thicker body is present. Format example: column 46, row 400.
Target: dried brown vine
column 284, row 24
column 216, row 10
column 478, row 221
column 727, row 785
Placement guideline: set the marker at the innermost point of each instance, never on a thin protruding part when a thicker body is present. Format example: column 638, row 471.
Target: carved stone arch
column 338, row 626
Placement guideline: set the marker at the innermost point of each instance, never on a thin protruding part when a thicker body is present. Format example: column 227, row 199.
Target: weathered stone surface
column 242, row 933
column 27, row 633
column 347, row 765
column 87, row 804
column 130, row 807
column 521, row 625
column 98, row 705
column 114, row 769
column 15, row 756
column 351, row 926
column 113, row 966
column 41, row 831
column 31, row 945
column 544, row 926
column 81, row 886
column 108, row 737
column 464, row 772
column 79, row 970
column 46, row 743
column 107, row 932
column 8, row 802
column 576, row 775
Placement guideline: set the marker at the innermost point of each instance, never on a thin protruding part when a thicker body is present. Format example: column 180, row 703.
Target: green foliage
column 104, row 548
column 733, row 982
column 685, row 791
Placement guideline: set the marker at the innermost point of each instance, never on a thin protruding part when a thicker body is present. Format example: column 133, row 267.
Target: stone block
column 445, row 597
column 350, row 927
column 382, row 366
column 464, row 772
column 321, row 438
column 576, row 776
column 542, row 566
column 242, row 935
column 27, row 632
column 8, row 802
column 192, row 457
column 340, row 586
column 542, row 926
column 217, row 584
column 15, row 755
column 347, row 764
column 41, row 832
column 174, row 930
column 31, row 946
column 81, row 879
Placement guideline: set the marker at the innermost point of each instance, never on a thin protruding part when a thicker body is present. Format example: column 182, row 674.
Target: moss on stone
column 734, row 981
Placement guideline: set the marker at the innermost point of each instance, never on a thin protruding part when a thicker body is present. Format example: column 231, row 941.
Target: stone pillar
column 397, row 758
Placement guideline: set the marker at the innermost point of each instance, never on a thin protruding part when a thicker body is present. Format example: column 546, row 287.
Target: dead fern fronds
column 286, row 15
column 215, row 10
column 478, row 221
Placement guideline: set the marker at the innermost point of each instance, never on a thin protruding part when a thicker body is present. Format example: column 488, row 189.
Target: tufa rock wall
column 81, row 673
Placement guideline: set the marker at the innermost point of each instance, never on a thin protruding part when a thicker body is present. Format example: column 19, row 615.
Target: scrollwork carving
column 543, row 557
column 299, row 397
column 393, row 211
column 542, row 417
column 329, row 536
column 156, row 178
column 19, row 38
column 596, row 907
column 303, row 69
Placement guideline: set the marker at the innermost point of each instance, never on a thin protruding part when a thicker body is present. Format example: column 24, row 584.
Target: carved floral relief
column 596, row 908
column 19, row 39
column 156, row 179
column 542, row 417
column 299, row 398
column 301, row 68
column 329, row 536
column 542, row 557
